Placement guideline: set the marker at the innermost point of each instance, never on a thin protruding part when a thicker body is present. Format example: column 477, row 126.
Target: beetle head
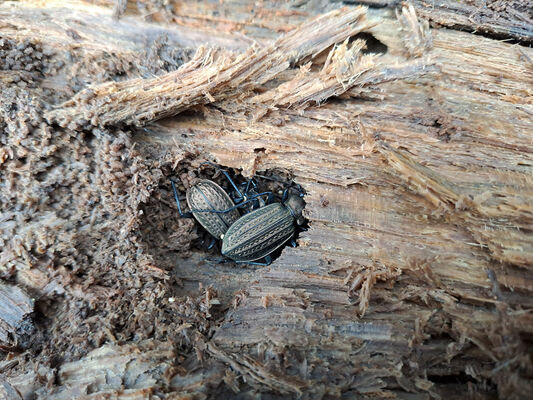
column 296, row 205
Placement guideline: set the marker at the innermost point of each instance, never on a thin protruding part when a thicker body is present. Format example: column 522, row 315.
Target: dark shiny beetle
column 257, row 234
column 214, row 209
column 207, row 195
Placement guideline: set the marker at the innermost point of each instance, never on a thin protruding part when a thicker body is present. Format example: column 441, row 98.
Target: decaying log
column 124, row 372
column 15, row 314
column 414, row 278
column 501, row 19
column 212, row 75
column 436, row 249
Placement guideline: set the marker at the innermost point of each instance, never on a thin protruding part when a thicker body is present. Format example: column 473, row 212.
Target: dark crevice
column 165, row 232
column 373, row 45
column 460, row 378
column 373, row 3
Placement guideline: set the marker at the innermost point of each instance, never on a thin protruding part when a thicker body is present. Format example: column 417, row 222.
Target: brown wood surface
column 414, row 279
column 15, row 307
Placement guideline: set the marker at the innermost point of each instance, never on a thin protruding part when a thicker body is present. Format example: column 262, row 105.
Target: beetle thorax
column 296, row 205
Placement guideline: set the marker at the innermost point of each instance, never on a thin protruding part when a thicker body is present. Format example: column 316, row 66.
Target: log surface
column 414, row 279
column 15, row 308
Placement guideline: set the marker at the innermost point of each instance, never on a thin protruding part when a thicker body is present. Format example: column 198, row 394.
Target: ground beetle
column 259, row 233
column 208, row 195
column 214, row 209
column 254, row 236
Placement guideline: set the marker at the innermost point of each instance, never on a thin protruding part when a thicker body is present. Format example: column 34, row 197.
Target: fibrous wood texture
column 499, row 18
column 209, row 77
column 414, row 278
column 15, row 309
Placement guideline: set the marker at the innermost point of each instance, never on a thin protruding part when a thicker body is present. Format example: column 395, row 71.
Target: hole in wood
column 373, row 45
column 164, row 231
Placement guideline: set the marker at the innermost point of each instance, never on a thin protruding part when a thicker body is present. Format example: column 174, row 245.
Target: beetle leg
column 267, row 262
column 250, row 182
column 226, row 175
column 219, row 260
column 285, row 195
column 182, row 214
column 212, row 243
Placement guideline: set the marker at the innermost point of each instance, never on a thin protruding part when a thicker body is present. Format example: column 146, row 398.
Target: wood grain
column 414, row 279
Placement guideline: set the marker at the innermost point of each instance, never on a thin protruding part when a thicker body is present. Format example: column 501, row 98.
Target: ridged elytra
column 259, row 233
column 207, row 194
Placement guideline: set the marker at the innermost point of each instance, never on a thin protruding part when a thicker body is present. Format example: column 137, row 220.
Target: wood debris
column 212, row 75
column 414, row 277
column 417, row 36
column 16, row 308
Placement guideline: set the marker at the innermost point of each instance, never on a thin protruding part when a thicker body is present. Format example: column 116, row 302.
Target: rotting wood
column 345, row 70
column 442, row 255
column 417, row 37
column 125, row 372
column 386, row 183
column 509, row 19
column 16, row 307
column 212, row 75
column 500, row 19
column 253, row 369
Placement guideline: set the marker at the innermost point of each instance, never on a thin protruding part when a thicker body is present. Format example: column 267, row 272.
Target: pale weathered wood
column 122, row 372
column 16, row 307
column 499, row 19
column 414, row 278
column 510, row 19
column 210, row 76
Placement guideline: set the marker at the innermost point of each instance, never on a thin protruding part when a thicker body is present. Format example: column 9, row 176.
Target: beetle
column 259, row 233
column 208, row 195
column 214, row 209
column 264, row 227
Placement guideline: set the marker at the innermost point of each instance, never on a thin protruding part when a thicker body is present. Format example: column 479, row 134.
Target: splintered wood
column 413, row 145
column 15, row 309
column 212, row 75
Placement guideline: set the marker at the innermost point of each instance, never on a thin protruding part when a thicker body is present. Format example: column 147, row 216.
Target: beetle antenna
column 182, row 214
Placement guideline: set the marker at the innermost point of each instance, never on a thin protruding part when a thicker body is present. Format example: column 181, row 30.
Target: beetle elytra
column 208, row 195
column 259, row 233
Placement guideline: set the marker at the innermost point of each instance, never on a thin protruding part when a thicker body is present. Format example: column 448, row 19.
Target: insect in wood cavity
column 258, row 234
column 214, row 208
column 207, row 194
column 265, row 226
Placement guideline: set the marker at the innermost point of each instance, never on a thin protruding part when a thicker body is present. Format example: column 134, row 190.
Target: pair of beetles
column 251, row 238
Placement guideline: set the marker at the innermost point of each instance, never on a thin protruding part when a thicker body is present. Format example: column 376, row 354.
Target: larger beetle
column 259, row 233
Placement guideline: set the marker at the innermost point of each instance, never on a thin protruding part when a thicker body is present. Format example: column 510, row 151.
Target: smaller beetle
column 208, row 195
column 214, row 209
column 259, row 233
